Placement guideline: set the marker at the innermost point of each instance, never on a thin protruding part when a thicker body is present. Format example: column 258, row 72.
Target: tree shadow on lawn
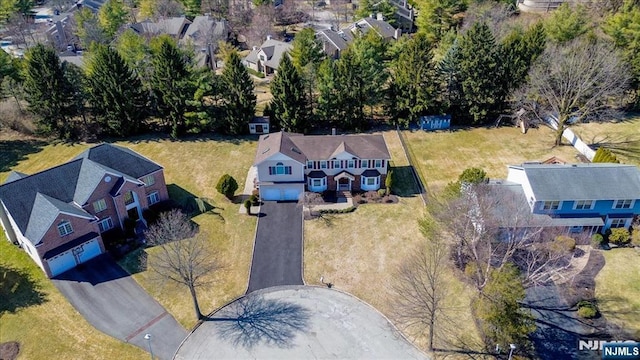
column 160, row 136
column 628, row 145
column 254, row 320
column 191, row 204
column 404, row 183
column 14, row 151
column 18, row 290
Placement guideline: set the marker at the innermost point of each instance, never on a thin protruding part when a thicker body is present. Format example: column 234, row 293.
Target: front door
column 133, row 213
column 344, row 184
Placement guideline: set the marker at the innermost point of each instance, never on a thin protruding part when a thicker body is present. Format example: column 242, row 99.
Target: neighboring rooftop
column 590, row 181
column 273, row 49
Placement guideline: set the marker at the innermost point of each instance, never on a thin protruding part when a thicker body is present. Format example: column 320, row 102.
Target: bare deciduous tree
column 261, row 25
column 184, row 255
column 491, row 227
column 421, row 288
column 576, row 82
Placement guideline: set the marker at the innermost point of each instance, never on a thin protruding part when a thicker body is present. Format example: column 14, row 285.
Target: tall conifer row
column 289, row 106
column 238, row 97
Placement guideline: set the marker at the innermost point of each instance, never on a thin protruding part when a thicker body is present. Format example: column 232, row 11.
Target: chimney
column 397, row 34
column 333, row 131
column 379, row 16
column 268, row 37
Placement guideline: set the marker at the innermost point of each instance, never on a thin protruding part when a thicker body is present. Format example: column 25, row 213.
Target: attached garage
column 70, row 255
column 281, row 192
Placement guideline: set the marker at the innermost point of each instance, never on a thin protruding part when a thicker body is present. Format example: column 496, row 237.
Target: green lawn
column 192, row 167
column 618, row 289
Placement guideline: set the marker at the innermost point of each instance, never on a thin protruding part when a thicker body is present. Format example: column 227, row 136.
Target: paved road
column 115, row 304
column 277, row 253
column 297, row 322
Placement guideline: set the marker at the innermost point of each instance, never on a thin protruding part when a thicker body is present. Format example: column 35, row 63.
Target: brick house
column 59, row 215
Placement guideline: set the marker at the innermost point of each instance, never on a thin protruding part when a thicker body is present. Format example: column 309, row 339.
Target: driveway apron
column 277, row 253
column 115, row 304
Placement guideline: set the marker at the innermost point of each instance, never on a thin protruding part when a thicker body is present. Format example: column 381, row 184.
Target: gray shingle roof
column 205, row 26
column 121, row 159
column 15, row 175
column 321, row 147
column 583, row 181
column 274, row 50
column 33, row 201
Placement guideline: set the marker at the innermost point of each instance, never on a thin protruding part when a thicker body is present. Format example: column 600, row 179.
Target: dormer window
column 128, row 198
column 584, row 205
column 64, row 228
column 551, row 205
column 279, row 169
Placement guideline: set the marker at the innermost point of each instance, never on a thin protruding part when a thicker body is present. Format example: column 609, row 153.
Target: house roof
column 333, row 38
column 273, row 49
column 381, row 27
column 593, row 181
column 320, row 147
column 171, row 26
column 203, row 27
column 15, row 175
column 35, row 200
column 278, row 142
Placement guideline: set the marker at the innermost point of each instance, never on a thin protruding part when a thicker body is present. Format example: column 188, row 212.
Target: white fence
column 577, row 143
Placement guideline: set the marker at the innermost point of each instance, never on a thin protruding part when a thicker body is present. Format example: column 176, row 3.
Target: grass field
column 442, row 156
column 192, row 168
column 618, row 290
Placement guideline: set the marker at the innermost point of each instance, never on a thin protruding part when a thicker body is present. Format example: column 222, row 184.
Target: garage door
column 291, row 194
column 271, row 194
column 61, row 263
column 90, row 249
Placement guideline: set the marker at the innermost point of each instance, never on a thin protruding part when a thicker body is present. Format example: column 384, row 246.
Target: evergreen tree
column 567, row 23
column 307, row 55
column 412, row 91
column 172, row 84
column 604, row 155
column 481, row 74
column 48, row 91
column 502, row 320
column 351, row 92
column 436, row 17
column 450, row 80
column 289, row 105
column 327, row 86
column 367, row 8
column 116, row 94
column 238, row 97
column 369, row 52
column 520, row 50
column 88, row 28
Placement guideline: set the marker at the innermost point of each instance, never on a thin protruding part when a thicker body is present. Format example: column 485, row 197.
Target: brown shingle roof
column 321, row 147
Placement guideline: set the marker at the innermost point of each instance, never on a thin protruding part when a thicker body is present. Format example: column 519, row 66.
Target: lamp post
column 512, row 347
column 148, row 338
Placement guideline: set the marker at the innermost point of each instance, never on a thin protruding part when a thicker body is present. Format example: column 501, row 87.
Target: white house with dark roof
column 266, row 58
column 593, row 196
column 59, row 215
column 289, row 163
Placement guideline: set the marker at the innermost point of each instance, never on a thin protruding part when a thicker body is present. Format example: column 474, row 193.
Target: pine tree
column 239, row 100
column 172, row 83
column 48, row 91
column 116, row 93
column 327, row 86
column 370, row 53
column 481, row 74
column 112, row 15
column 412, row 91
column 289, row 105
column 307, row 55
column 520, row 49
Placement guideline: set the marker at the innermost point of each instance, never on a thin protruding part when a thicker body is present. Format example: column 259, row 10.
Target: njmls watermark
column 612, row 349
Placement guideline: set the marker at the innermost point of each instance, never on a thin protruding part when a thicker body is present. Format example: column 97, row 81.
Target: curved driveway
column 277, row 251
column 297, row 322
column 111, row 301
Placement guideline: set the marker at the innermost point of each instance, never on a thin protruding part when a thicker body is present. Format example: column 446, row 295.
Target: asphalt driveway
column 115, row 304
column 277, row 253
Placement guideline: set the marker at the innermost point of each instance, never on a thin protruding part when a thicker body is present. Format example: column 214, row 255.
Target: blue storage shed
column 435, row 122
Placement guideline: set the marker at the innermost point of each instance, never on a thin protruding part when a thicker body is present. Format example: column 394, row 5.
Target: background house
column 59, row 215
column 287, row 163
column 591, row 197
column 266, row 58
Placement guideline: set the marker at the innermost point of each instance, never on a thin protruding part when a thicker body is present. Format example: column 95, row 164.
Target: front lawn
column 192, row 168
column 359, row 252
column 618, row 290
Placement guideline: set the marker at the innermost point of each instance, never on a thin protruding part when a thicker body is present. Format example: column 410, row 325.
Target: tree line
column 117, row 95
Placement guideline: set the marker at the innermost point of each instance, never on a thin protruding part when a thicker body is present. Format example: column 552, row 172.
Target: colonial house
column 266, row 58
column 175, row 27
column 580, row 197
column 289, row 163
column 58, row 215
